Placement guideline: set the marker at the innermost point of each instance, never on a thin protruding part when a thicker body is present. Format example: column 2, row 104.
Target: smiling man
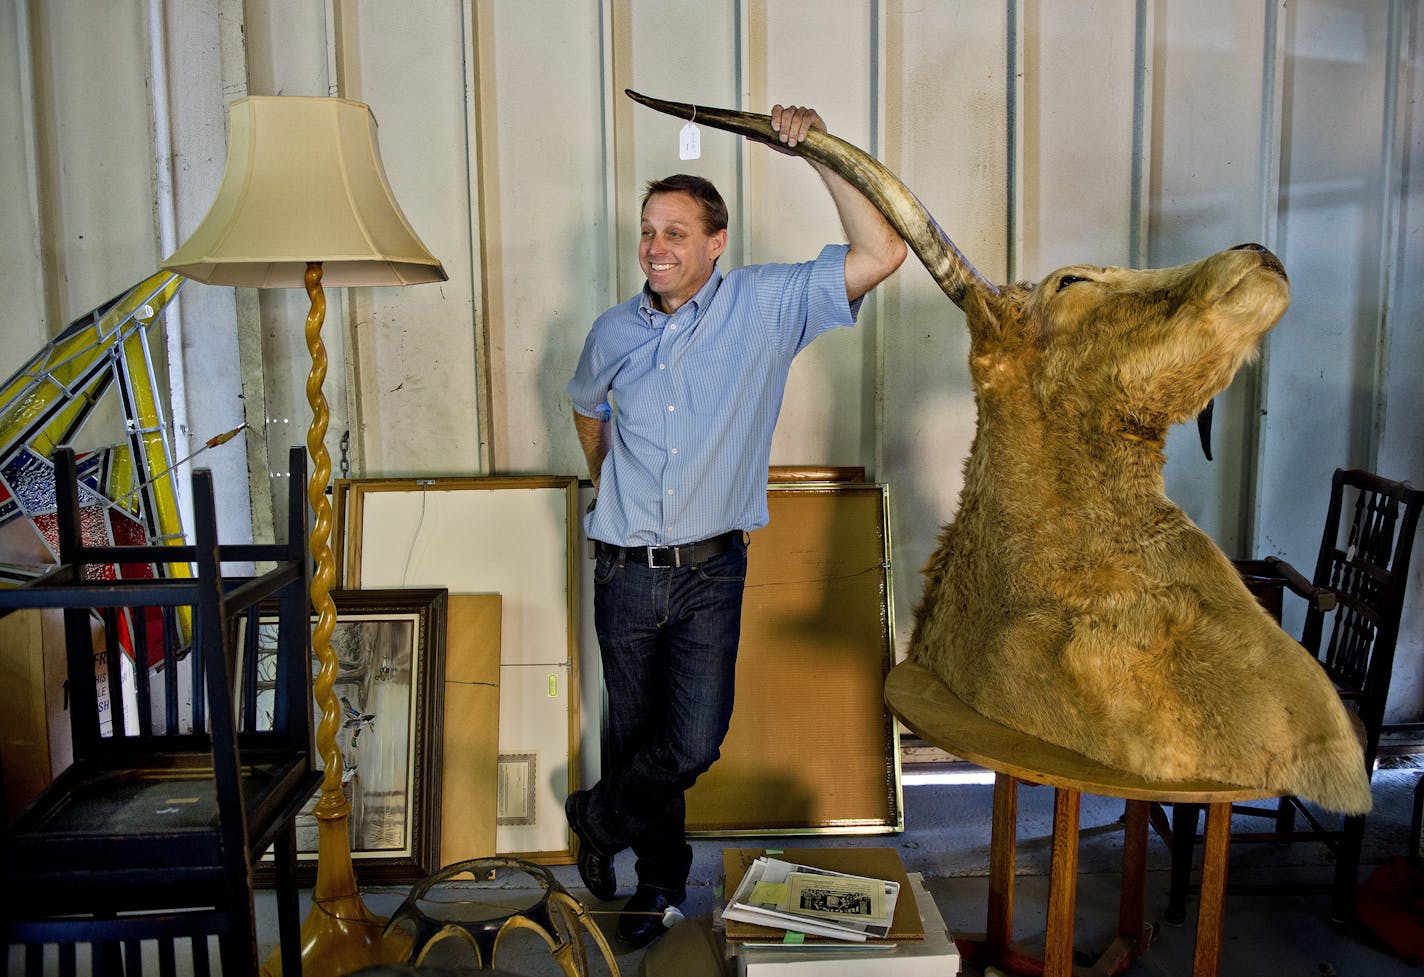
column 696, row 366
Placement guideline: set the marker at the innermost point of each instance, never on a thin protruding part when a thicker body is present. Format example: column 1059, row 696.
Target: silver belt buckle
column 654, row 565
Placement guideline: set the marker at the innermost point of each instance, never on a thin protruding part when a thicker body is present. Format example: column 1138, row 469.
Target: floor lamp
column 304, row 201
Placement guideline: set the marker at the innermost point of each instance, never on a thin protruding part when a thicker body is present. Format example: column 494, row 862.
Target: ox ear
column 951, row 270
column 983, row 312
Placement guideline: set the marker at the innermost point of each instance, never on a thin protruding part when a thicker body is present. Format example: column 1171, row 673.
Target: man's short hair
column 714, row 208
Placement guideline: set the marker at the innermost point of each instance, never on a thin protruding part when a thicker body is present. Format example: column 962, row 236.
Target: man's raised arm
column 876, row 249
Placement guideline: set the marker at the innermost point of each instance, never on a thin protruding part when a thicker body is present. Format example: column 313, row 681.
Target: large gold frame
column 812, row 749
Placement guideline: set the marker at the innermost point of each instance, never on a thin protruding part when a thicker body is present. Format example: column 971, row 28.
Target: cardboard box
column 934, row 956
column 874, row 863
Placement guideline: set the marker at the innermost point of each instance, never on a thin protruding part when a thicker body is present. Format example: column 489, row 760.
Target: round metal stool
column 553, row 914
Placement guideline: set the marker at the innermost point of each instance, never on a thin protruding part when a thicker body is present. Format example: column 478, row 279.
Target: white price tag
column 689, row 142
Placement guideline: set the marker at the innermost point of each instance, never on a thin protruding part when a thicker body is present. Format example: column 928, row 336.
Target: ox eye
column 1067, row 280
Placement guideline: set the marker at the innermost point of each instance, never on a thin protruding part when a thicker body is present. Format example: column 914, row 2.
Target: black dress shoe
column 642, row 920
column 594, row 867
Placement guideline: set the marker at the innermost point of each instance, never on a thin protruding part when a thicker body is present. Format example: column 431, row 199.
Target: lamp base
column 340, row 935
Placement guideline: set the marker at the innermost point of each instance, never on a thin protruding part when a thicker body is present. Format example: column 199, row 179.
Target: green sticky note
column 794, row 938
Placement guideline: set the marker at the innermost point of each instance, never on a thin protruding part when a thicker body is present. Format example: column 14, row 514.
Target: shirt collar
column 703, row 296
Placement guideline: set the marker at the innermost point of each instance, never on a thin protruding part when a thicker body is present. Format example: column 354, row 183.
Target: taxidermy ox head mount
column 1070, row 598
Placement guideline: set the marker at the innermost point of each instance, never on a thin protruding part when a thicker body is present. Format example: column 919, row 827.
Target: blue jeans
column 668, row 640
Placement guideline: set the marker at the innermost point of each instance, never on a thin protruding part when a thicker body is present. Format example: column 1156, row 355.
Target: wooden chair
column 150, row 835
column 1360, row 576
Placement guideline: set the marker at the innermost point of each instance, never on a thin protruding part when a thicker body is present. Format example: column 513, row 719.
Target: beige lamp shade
column 304, row 183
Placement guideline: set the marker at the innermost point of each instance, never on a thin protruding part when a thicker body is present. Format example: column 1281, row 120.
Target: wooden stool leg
column 1133, row 936
column 1134, row 872
column 1003, row 839
column 1062, row 885
column 1207, row 960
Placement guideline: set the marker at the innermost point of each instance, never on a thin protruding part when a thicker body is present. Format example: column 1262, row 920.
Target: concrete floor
column 1267, row 933
column 946, row 839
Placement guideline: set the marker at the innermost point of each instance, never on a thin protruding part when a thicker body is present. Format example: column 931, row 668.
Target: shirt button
column 662, row 366
column 669, row 491
column 672, row 325
column 674, row 451
column 671, row 407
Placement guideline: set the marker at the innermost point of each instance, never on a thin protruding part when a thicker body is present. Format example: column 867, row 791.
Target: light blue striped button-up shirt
column 697, row 396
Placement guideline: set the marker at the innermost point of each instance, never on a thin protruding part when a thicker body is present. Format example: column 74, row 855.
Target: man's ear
column 719, row 243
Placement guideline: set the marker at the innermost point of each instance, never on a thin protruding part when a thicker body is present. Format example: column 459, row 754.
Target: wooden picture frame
column 391, row 648
column 507, row 535
column 812, row 748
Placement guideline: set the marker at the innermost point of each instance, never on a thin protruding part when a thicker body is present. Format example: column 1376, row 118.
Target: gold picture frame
column 812, row 748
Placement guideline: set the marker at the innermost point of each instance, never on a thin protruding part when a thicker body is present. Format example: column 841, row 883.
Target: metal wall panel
column 413, row 349
column 828, row 410
column 1320, row 385
column 1400, row 449
column 1077, row 134
column 947, row 136
column 1213, row 185
column 1038, row 133
column 94, row 150
column 541, row 136
column 27, row 327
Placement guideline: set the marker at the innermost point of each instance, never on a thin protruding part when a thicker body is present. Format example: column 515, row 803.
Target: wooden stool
column 932, row 711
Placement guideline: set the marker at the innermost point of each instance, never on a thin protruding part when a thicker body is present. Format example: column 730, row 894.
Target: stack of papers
column 814, row 901
column 934, row 956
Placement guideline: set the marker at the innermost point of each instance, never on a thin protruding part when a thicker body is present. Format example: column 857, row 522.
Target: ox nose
column 1268, row 259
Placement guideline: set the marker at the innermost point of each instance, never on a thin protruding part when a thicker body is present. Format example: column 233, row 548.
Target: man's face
column 675, row 250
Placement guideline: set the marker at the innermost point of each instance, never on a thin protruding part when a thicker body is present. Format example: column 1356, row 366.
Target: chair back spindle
column 1364, row 561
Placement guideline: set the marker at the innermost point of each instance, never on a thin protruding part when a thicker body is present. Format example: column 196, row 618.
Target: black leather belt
column 688, row 554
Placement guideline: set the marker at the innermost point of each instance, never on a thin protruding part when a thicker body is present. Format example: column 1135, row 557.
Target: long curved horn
column 950, row 269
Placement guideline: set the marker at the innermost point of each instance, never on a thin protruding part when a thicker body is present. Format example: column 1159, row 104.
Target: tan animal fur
column 1070, row 598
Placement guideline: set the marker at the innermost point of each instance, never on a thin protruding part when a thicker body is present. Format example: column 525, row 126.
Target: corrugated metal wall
column 1039, row 133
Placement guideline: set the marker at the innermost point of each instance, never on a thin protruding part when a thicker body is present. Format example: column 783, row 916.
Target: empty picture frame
column 390, row 649
column 812, row 748
column 512, row 536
